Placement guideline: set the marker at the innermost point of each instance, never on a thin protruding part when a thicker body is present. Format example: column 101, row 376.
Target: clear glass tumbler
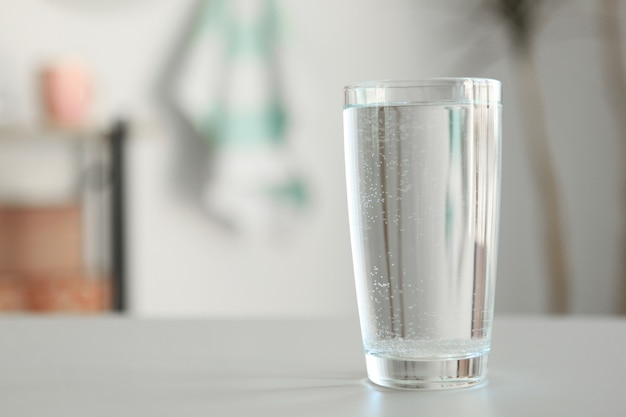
column 423, row 181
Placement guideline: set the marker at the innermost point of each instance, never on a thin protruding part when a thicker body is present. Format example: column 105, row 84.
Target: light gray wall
column 182, row 263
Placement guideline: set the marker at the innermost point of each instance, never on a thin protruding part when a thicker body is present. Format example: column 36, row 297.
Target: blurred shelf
column 47, row 167
column 55, row 216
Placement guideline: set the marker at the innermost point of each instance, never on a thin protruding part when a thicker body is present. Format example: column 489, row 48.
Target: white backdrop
column 182, row 263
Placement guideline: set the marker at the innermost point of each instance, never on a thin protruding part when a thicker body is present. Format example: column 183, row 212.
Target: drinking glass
column 423, row 182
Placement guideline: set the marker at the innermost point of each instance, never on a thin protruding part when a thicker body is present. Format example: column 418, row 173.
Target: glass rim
column 455, row 90
column 424, row 82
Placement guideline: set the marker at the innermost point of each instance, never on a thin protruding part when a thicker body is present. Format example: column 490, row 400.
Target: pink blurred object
column 66, row 87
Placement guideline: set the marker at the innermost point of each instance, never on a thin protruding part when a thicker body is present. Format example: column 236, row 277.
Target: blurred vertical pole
column 117, row 138
column 520, row 17
column 615, row 78
column 542, row 167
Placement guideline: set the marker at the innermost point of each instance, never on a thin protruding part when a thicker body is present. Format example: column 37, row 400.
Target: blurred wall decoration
column 228, row 86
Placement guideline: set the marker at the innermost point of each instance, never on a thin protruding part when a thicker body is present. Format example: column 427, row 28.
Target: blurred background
column 185, row 158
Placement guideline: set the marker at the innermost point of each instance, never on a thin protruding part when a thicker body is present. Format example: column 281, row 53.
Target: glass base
column 426, row 374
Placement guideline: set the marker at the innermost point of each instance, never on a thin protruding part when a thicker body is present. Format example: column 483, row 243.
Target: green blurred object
column 294, row 192
column 245, row 42
column 228, row 89
column 246, row 128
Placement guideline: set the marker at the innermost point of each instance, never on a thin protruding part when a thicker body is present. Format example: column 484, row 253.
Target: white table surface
column 116, row 367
